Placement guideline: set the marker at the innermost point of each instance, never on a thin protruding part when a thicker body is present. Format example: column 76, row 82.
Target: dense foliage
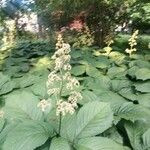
column 87, row 89
column 139, row 14
column 101, row 16
column 114, row 107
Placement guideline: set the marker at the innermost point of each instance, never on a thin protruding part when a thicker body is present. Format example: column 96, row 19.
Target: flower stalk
column 61, row 84
column 132, row 43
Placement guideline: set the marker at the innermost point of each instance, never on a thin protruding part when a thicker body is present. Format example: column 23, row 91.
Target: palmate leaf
column 143, row 74
column 128, row 93
column 28, row 135
column 98, row 143
column 2, row 121
column 88, row 96
column 143, row 87
column 140, row 64
column 28, row 80
column 5, row 84
column 39, row 88
column 109, row 96
column 3, row 79
column 146, row 139
column 144, row 99
column 68, row 129
column 59, row 144
column 135, row 131
column 12, row 70
column 116, row 72
column 102, row 62
column 6, row 130
column 131, row 72
column 130, row 111
column 117, row 85
column 92, row 71
column 117, row 57
column 103, row 82
column 93, row 118
column 22, row 106
column 78, row 70
column 112, row 133
column 7, row 87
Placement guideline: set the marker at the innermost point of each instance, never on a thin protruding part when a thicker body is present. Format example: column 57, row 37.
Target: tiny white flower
column 53, row 91
column 64, row 107
column 44, row 104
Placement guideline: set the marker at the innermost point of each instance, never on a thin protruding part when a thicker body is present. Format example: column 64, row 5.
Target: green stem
column 60, row 93
column 60, row 120
column 61, row 86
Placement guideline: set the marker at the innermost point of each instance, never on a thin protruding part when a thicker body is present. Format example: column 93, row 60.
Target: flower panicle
column 59, row 79
column 44, row 104
column 132, row 43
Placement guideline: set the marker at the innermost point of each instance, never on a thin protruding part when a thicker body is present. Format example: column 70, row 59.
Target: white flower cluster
column 43, row 104
column 61, row 78
column 64, row 107
column 132, row 43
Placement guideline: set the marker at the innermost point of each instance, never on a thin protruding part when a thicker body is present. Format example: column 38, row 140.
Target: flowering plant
column 84, row 38
column 60, row 79
column 132, row 43
column 56, row 123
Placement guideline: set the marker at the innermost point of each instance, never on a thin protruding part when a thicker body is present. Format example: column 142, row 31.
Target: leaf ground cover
column 116, row 97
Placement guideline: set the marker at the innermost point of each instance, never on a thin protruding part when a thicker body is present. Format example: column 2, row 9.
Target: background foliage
column 115, row 108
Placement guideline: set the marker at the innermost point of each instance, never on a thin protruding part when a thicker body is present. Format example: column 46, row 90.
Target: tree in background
column 140, row 15
column 101, row 16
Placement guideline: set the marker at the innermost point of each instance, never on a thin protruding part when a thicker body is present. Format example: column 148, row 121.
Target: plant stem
column 60, row 116
column 60, row 120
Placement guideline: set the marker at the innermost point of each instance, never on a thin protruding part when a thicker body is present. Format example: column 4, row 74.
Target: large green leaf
column 109, row 96
column 117, row 85
column 76, row 54
column 8, row 128
column 59, row 144
column 3, row 79
column 78, row 70
column 112, row 133
column 140, row 64
column 131, row 72
column 21, row 106
column 28, row 80
column 2, row 121
column 134, row 132
column 144, row 99
column 128, row 93
column 100, row 83
column 7, row 87
column 130, row 111
column 88, row 96
column 143, row 74
column 98, row 143
column 117, row 57
column 143, row 87
column 12, row 70
column 28, row 135
column 92, row 71
column 93, row 118
column 146, row 139
column 101, row 62
column 68, row 128
column 116, row 72
column 39, row 88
